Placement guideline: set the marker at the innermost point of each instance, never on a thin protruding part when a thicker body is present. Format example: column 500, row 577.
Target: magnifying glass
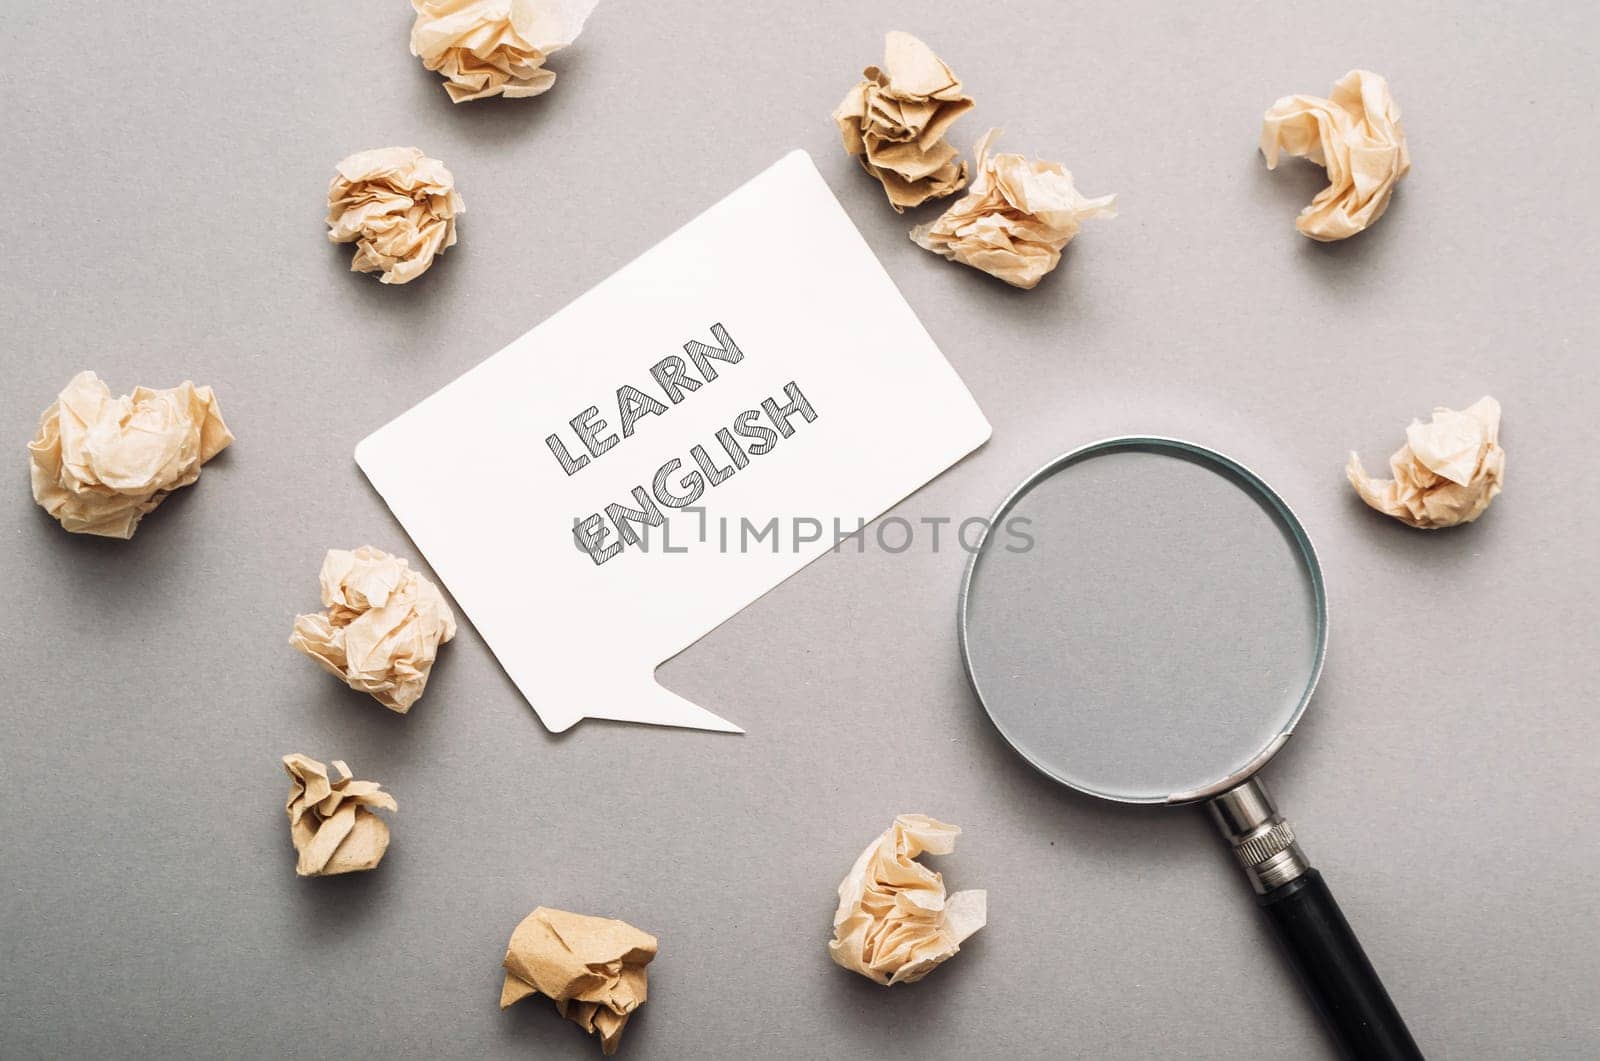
column 1144, row 621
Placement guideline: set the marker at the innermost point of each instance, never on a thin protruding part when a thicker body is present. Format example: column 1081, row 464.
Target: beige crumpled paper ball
column 1447, row 472
column 1356, row 135
column 330, row 821
column 895, row 121
column 495, row 47
column 398, row 206
column 593, row 967
column 99, row 464
column 383, row 625
column 894, row 923
column 1015, row 219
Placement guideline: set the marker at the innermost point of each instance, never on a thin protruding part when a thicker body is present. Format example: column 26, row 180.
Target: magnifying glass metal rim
column 1251, row 480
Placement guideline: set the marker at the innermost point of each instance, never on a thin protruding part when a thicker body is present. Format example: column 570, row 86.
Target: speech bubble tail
column 652, row 704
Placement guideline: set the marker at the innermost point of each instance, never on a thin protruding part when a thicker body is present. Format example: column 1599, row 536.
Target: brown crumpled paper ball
column 894, row 924
column 895, row 122
column 383, row 625
column 398, row 207
column 1015, row 219
column 593, row 967
column 99, row 464
column 1356, row 136
column 330, row 822
column 1447, row 472
column 494, row 47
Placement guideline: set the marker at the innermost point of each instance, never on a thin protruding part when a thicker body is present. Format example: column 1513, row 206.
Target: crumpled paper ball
column 1015, row 219
column 495, row 47
column 593, row 967
column 399, row 208
column 99, row 464
column 1356, row 135
column 330, row 820
column 894, row 923
column 1447, row 472
column 895, row 121
column 383, row 625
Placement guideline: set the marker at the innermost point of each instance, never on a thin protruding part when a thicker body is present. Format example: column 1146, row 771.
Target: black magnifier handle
column 1311, row 929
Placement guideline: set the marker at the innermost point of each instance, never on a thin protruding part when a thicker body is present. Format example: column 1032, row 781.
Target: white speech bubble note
column 623, row 478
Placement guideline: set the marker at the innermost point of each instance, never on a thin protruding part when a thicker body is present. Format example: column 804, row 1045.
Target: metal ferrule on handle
column 1262, row 841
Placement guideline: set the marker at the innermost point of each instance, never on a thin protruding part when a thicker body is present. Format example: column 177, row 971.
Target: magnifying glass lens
column 1142, row 622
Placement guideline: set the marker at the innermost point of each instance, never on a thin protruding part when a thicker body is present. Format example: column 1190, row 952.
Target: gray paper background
column 165, row 172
